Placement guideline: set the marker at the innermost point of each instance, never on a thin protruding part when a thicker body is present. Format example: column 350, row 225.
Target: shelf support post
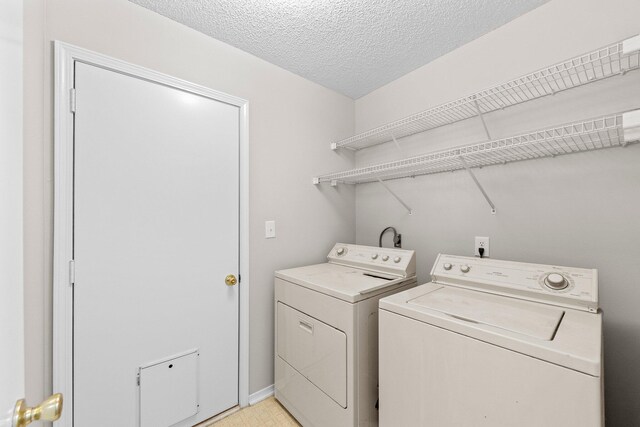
column 473, row 176
column 484, row 124
column 395, row 196
column 396, row 142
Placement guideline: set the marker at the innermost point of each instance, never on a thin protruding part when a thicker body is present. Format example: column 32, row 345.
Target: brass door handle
column 230, row 280
column 49, row 410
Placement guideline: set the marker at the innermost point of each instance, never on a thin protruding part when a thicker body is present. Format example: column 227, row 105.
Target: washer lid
column 523, row 317
column 347, row 283
column 576, row 344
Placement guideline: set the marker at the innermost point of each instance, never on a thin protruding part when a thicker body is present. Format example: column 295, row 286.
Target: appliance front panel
column 315, row 349
column 431, row 376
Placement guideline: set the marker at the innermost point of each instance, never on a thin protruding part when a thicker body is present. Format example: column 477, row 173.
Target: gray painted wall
column 578, row 210
column 290, row 122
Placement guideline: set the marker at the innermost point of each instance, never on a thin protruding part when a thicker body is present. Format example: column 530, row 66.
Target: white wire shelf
column 594, row 134
column 600, row 64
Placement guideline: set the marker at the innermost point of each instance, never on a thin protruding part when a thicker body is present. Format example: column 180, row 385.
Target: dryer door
column 317, row 350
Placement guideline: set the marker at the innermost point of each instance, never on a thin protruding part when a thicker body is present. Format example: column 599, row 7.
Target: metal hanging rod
column 593, row 134
column 612, row 60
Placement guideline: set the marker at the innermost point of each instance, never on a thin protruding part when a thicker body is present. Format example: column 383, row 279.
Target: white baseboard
column 260, row 395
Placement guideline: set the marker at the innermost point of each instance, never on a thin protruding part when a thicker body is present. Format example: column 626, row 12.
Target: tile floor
column 266, row 413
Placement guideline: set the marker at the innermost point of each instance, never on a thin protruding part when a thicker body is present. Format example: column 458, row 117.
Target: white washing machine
column 493, row 343
column 326, row 332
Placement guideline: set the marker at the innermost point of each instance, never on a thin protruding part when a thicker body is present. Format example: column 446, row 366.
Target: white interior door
column 156, row 231
column 11, row 313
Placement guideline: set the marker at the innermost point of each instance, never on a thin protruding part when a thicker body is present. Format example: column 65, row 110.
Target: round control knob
column 447, row 266
column 385, row 258
column 397, row 259
column 340, row 251
column 556, row 281
column 465, row 268
column 374, row 256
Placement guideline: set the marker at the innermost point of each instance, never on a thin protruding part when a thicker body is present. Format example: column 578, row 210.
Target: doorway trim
column 65, row 57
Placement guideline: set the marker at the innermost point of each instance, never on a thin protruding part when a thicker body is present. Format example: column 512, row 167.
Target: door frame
column 65, row 55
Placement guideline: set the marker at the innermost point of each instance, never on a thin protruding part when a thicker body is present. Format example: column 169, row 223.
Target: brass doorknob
column 230, row 280
column 49, row 410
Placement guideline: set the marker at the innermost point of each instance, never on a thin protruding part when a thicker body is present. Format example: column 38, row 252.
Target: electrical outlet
column 481, row 242
column 269, row 229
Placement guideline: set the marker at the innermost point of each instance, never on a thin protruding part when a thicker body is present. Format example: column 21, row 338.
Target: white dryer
column 493, row 343
column 326, row 332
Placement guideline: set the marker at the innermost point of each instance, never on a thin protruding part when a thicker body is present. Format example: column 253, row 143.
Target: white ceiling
column 351, row 46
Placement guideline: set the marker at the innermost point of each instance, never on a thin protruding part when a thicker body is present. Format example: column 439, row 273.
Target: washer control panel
column 565, row 286
column 396, row 262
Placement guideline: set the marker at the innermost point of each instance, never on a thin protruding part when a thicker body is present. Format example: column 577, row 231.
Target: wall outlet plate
column 269, row 229
column 481, row 242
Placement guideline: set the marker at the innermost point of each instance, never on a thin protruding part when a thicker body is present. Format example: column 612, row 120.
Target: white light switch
column 269, row 229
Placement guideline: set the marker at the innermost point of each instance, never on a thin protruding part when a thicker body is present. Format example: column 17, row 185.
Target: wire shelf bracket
column 386, row 187
column 615, row 59
column 396, row 142
column 484, row 124
column 475, row 179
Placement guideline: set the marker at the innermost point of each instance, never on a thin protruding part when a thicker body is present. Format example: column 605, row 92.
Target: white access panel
column 156, row 217
column 169, row 390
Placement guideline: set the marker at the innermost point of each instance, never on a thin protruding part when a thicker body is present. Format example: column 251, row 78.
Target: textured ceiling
column 351, row 46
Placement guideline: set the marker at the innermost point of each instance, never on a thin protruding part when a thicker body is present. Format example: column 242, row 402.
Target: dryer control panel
column 564, row 286
column 391, row 261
